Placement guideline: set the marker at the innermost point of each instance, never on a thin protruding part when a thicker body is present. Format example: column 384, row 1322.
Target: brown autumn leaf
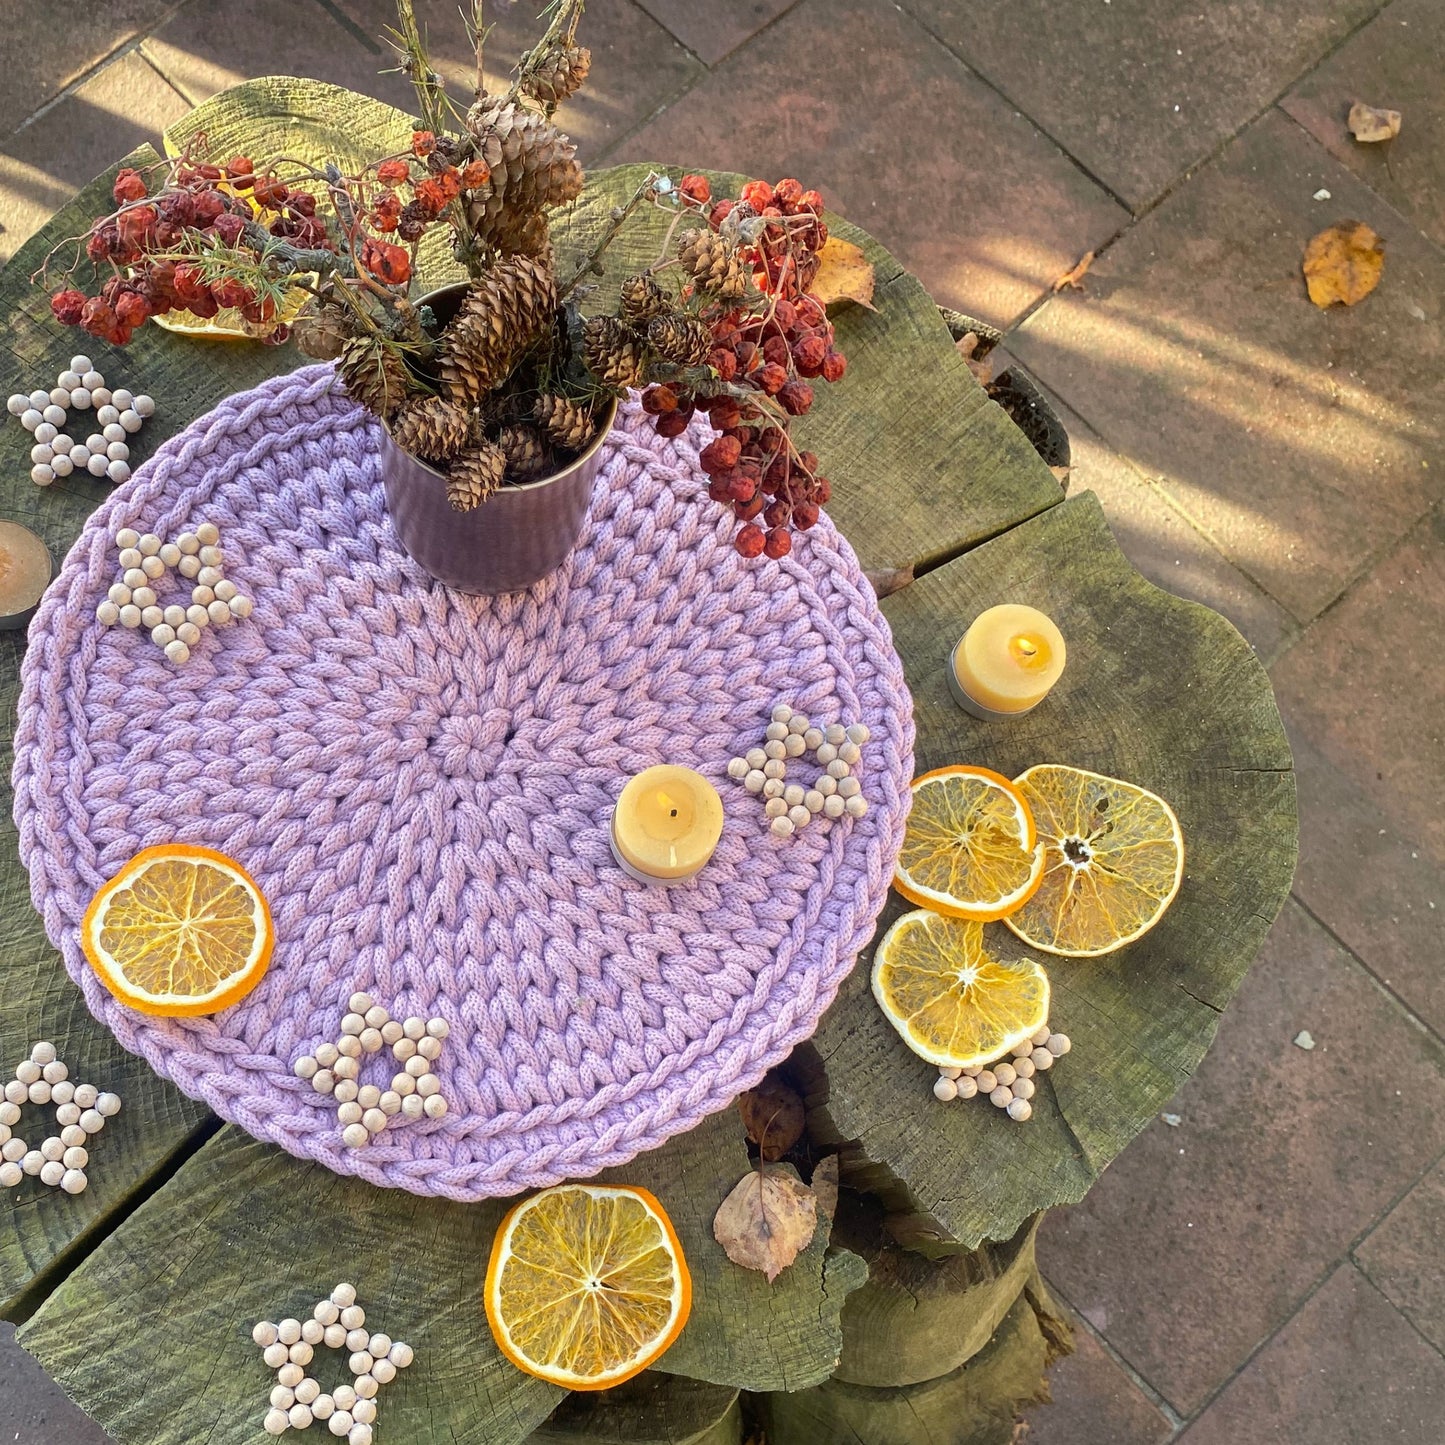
column 844, row 274
column 773, row 1116
column 767, row 1221
column 1370, row 124
column 825, row 1186
column 1074, row 276
column 1343, row 263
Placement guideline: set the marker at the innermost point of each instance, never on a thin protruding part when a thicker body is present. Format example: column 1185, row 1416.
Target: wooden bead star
column 364, row 1110
column 80, row 1112
column 144, row 560
column 834, row 792
column 338, row 1323
column 105, row 453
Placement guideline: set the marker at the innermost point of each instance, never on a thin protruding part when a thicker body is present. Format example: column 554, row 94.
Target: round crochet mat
column 422, row 783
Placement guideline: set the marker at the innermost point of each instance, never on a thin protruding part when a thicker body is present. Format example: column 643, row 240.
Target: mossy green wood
column 244, row 1232
column 978, row 1403
column 650, row 1409
column 1159, row 691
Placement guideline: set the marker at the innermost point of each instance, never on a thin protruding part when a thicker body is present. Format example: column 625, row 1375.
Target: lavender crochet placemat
column 421, row 782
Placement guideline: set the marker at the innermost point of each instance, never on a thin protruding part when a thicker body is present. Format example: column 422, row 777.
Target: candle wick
column 673, row 813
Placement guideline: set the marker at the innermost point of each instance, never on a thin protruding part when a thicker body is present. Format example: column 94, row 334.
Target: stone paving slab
column 1394, row 61
column 857, row 99
column 44, row 164
column 1141, row 90
column 33, row 1408
column 1095, row 1402
column 1204, row 1238
column 711, row 29
column 1303, row 442
column 1402, row 1256
column 1347, row 1369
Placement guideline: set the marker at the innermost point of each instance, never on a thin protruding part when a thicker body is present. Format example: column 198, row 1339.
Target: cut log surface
column 976, row 1404
column 650, row 1409
column 915, row 1318
column 184, row 1240
column 1158, row 691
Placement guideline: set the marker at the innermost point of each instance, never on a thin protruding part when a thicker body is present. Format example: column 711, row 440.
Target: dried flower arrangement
column 509, row 387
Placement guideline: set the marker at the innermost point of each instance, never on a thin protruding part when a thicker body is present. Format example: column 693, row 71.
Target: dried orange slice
column 969, row 849
column 586, row 1285
column 179, row 931
column 1114, row 857
column 953, row 1002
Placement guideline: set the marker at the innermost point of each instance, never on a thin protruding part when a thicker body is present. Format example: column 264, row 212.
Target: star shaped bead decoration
column 363, row 1110
column 80, row 1114
column 297, row 1399
column 790, row 735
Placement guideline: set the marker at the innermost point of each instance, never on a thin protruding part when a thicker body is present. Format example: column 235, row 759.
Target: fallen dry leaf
column 1075, row 275
column 773, row 1116
column 825, row 1186
column 1370, row 124
column 1343, row 263
column 767, row 1221
column 844, row 274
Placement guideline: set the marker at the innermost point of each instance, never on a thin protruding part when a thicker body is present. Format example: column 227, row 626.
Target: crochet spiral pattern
column 421, row 782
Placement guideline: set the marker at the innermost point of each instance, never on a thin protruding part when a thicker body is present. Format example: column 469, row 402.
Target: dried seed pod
column 431, row 428
column 526, row 452
column 682, row 339
column 612, row 352
column 557, row 75
column 713, row 263
column 473, row 477
column 641, row 299
column 566, row 422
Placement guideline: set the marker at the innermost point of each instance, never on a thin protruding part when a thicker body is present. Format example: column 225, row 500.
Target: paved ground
column 1270, row 1266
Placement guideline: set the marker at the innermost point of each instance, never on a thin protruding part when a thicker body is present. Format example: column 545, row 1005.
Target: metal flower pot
column 516, row 537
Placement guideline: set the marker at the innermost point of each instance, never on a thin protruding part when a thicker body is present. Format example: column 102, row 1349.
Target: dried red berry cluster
column 775, row 351
column 142, row 233
column 440, row 183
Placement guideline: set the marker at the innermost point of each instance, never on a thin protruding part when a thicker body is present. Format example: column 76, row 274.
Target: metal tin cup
column 516, row 537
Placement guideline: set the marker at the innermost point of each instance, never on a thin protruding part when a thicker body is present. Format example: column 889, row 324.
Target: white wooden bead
column 345, row 1396
column 781, row 712
column 241, row 606
column 90, row 378
column 130, row 557
column 945, row 1089
column 414, row 1028
column 327, row 1312
column 352, row 1315
column 1041, row 1036
column 344, row 1295
column 775, row 788
column 737, row 769
column 1020, row 1109
column 1005, row 1074
column 10, row 1175
column 783, row 827
column 403, row 1084
column 62, row 1092
column 118, row 471
column 813, row 800
column 368, row 1096
column 359, row 1363
column 130, row 616
column 9, row 1112
column 129, row 421
column 106, row 414
column 73, row 1136
column 1058, row 1045
column 46, row 434
column 799, row 816
column 798, row 723
column 134, row 578
column 985, row 1081
column 436, row 1107
column 32, row 417
column 947, row 1071
column 364, row 1409
column 1024, row 1067
column 299, row 1416
column 282, row 1397
column 384, row 1371
column 277, row 1422
column 208, row 534
column 288, row 1332
column 390, row 1032
column 148, row 544
column 850, row 753
column 371, row 1040
column 775, row 749
column 120, row 397
column 352, row 1023
column 340, row 1423
column 360, row 1003
column 290, row 1375
column 170, row 554
column 80, row 456
column 428, row 1085
column 41, row 454
column 401, row 1355
column 212, row 557
column 153, row 567
column 794, row 746
column 32, row 1162
column 52, row 1172
column 429, row 1048
column 838, row 769
column 52, row 1149
column 162, row 633
column 438, row 1028
column 354, row 1136
column 276, row 1355
column 756, row 757
column 376, row 1017
column 38, row 398
column 101, row 396
column 264, row 1333
column 793, row 795
column 114, row 435
column 345, row 1091
column 349, row 1047
column 197, row 616
column 404, row 1048
column 18, row 403
column 145, row 407
column 826, row 754
column 28, row 1071
column 152, row 617
column 755, row 780
column 323, row 1081
column 834, row 806
column 59, row 396
column 14, row 1150
column 42, row 475
column 208, row 576
column 1023, row 1088
column 349, row 1113
column 1001, row 1097
column 1042, row 1059
column 302, row 1353
column 177, row 652
column 307, row 1390
column 40, row 1092
column 826, row 785
column 859, row 733
column 188, row 542
column 389, row 1103
column 313, row 1332
column 188, row 566
column 144, row 597
column 373, row 1121
column 775, row 732
column 87, row 1095
column 220, row 613
column 775, row 808
column 335, row 1336
column 188, row 633
column 53, row 414
column 775, row 768
column 16, row 1091
column 413, row 1106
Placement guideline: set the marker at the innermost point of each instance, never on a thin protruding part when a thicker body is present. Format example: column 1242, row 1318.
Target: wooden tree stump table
column 138, row 1295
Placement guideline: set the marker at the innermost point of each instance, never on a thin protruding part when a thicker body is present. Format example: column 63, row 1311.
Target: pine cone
column 431, row 428
column 533, row 165
column 505, row 311
column 321, row 334
column 569, row 425
column 642, row 299
column 374, row 376
column 475, row 475
column 612, row 352
column 713, row 263
column 526, row 453
column 561, row 73
column 682, row 339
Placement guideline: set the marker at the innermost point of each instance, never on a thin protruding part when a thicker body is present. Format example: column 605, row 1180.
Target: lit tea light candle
column 1006, row 662
column 25, row 571
column 666, row 824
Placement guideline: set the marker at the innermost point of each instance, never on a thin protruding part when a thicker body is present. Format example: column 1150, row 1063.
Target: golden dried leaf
column 825, row 1186
column 1343, row 263
column 1074, row 276
column 844, row 274
column 767, row 1221
column 1370, row 124
column 773, row 1116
